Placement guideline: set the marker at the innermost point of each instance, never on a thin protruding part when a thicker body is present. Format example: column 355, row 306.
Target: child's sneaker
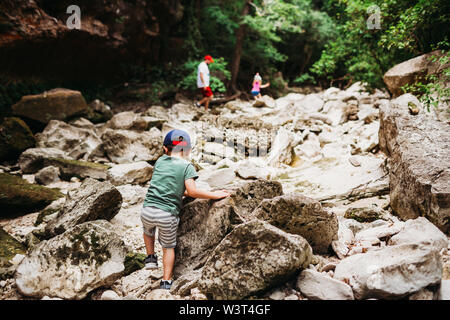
column 197, row 104
column 151, row 262
column 165, row 284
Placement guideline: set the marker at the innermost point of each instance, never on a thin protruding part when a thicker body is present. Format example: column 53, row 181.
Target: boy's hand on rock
column 221, row 194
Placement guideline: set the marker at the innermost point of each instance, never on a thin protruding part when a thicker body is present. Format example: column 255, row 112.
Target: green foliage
column 359, row 54
column 306, row 77
column 433, row 90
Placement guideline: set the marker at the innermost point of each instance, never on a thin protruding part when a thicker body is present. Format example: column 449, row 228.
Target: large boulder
column 248, row 196
column 316, row 286
column 76, row 142
column 129, row 120
column 15, row 137
column 420, row 162
column 71, row 265
column 124, row 146
column 34, row 159
column 297, row 214
column 17, row 196
column 411, row 71
column 9, row 248
column 93, row 200
column 204, row 223
column 56, row 104
column 420, row 231
column 130, row 173
column 391, row 272
column 254, row 257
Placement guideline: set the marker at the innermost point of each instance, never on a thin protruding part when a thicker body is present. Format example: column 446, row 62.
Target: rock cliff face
column 420, row 162
column 111, row 31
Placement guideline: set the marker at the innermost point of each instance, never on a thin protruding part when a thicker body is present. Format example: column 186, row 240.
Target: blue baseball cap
column 178, row 138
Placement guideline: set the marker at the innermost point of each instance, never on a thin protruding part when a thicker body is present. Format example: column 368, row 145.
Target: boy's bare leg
column 149, row 244
column 168, row 262
column 207, row 102
column 203, row 101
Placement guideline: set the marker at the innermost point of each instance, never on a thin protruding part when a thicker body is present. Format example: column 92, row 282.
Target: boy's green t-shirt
column 167, row 184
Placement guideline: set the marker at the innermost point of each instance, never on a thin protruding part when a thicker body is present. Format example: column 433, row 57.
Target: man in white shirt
column 203, row 82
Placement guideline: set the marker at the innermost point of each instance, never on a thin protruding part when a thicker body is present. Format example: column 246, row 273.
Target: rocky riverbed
column 335, row 195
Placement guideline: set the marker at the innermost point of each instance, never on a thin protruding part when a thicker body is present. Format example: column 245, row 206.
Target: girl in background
column 257, row 86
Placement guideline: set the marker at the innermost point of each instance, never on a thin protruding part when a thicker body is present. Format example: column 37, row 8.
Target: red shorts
column 206, row 91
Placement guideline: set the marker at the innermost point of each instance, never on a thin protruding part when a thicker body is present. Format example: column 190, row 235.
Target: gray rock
column 419, row 160
column 127, row 120
column 249, row 169
column 125, row 146
column 109, row 295
column 185, row 283
column 47, row 175
column 71, row 265
column 204, row 223
column 297, row 214
column 255, row 256
column 391, row 272
column 130, row 173
column 380, row 232
column 410, row 71
column 249, row 195
column 219, row 178
column 444, row 290
column 32, row 160
column 366, row 214
column 93, row 200
column 420, row 231
column 58, row 104
column 77, row 143
column 316, row 286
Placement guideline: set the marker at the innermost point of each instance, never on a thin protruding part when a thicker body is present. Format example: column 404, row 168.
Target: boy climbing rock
column 173, row 177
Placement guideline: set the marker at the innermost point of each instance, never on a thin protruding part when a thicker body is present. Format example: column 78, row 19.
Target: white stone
column 277, row 295
column 390, row 272
column 444, row 290
column 160, row 294
column 130, row 173
column 110, row 295
column 316, row 286
column 422, row 232
column 379, row 232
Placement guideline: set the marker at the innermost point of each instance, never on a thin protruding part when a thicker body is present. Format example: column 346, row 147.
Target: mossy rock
column 9, row 247
column 77, row 168
column 365, row 214
column 18, row 197
column 15, row 137
column 134, row 261
column 55, row 104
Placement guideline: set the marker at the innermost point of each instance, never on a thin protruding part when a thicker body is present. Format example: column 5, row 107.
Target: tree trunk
column 237, row 53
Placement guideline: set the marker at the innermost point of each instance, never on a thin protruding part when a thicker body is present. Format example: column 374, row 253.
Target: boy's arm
column 193, row 192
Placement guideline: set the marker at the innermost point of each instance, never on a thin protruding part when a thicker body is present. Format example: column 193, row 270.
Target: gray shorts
column 166, row 222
